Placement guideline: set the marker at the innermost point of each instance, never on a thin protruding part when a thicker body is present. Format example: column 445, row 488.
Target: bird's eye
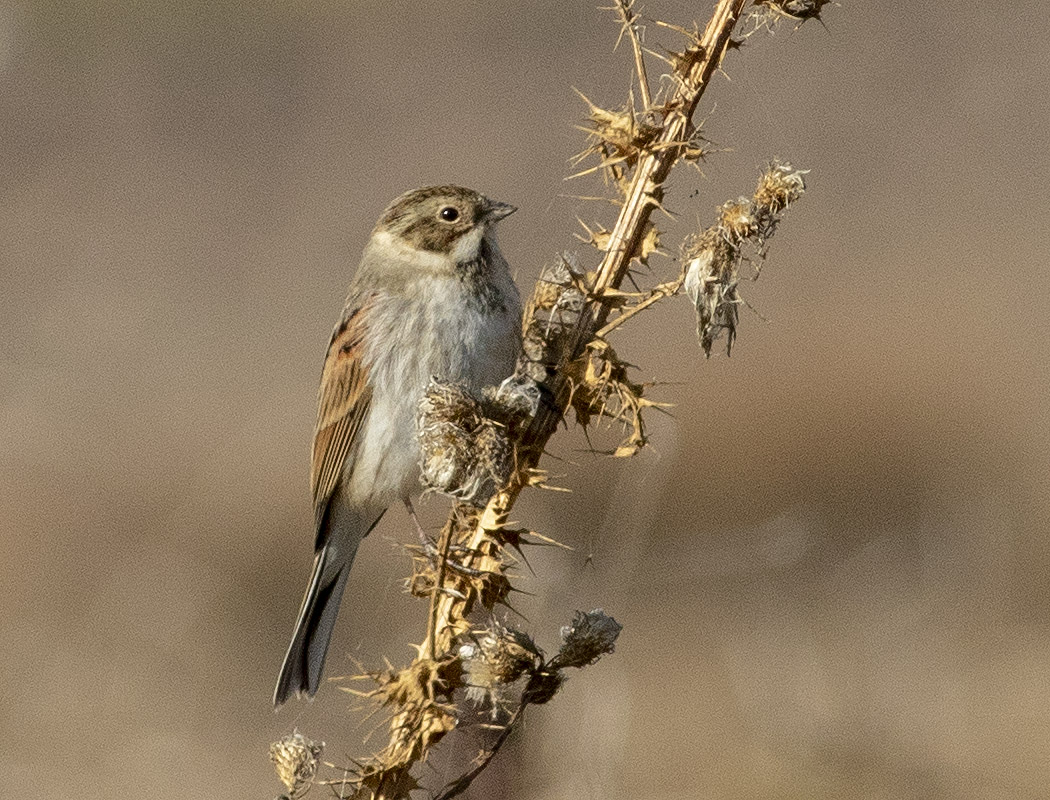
column 449, row 214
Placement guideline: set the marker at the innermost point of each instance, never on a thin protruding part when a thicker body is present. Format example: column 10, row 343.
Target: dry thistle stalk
column 483, row 451
column 630, row 27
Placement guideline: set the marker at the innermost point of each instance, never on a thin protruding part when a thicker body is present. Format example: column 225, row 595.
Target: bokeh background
column 831, row 566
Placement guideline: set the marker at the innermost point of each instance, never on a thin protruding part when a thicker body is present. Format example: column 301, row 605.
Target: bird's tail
column 338, row 537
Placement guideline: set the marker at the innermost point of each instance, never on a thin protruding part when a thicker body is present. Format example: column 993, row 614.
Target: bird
column 432, row 296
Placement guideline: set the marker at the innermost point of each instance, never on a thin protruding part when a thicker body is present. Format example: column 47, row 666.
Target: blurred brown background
column 831, row 565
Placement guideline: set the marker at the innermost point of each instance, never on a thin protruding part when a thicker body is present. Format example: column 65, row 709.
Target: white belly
column 444, row 336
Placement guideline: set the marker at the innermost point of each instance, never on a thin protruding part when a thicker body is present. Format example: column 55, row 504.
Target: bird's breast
column 441, row 330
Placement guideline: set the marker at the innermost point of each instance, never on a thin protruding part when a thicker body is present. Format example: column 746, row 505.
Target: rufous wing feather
column 343, row 402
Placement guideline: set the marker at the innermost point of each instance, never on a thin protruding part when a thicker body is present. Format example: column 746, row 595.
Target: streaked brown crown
column 435, row 217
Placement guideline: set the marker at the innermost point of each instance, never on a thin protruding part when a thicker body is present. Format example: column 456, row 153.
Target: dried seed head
column 711, row 281
column 591, row 635
column 295, row 760
column 495, row 658
column 712, row 259
column 495, row 458
column 551, row 317
column 780, row 186
column 737, row 220
column 463, row 453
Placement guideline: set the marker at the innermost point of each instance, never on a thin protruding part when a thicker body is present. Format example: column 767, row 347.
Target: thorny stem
column 447, row 608
column 476, row 536
column 444, row 545
column 629, row 20
column 646, row 189
column 657, row 294
column 643, row 196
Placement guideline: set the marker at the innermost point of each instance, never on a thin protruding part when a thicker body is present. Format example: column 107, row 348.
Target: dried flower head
column 711, row 282
column 495, row 658
column 464, row 454
column 712, row 258
column 737, row 220
column 294, row 758
column 550, row 317
column 780, row 186
column 591, row 635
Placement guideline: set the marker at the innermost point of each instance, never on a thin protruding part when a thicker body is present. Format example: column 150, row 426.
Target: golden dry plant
column 483, row 451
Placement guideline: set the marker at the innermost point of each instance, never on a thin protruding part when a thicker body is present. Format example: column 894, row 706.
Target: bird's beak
column 495, row 211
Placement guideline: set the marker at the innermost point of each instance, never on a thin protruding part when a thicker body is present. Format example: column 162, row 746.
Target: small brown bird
column 432, row 296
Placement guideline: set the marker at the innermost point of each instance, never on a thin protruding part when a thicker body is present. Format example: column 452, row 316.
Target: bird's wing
column 343, row 402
